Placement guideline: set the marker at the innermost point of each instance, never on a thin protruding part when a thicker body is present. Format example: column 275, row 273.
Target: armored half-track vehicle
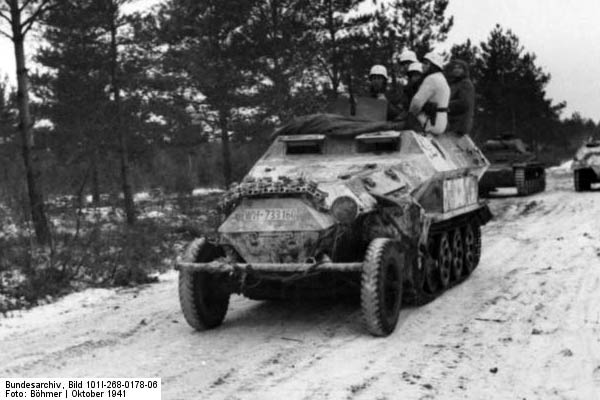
column 341, row 205
column 586, row 165
column 513, row 165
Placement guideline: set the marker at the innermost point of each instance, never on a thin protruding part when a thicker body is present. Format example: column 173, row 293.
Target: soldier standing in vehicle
column 462, row 98
column 402, row 91
column 415, row 78
column 378, row 78
column 378, row 81
column 406, row 59
column 430, row 103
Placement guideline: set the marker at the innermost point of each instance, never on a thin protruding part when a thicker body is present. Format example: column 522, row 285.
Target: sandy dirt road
column 525, row 325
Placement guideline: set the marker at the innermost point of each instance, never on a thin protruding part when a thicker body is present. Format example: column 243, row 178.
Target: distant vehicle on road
column 586, row 165
column 513, row 164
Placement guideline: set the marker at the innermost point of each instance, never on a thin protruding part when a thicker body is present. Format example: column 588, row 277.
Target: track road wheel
column 202, row 296
column 470, row 250
column 444, row 260
column 477, row 234
column 381, row 286
column 432, row 277
column 458, row 255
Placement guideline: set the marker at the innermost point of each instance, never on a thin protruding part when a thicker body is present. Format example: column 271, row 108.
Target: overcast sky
column 564, row 34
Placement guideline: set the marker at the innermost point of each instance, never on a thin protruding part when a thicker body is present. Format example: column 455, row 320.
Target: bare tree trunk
column 121, row 132
column 36, row 198
column 223, row 124
column 95, row 178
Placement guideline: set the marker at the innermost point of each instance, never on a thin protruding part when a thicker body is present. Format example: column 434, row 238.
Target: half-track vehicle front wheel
column 381, row 286
column 203, row 297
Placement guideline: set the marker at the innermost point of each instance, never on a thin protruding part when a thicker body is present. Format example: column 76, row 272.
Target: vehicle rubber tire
column 202, row 296
column 432, row 278
column 382, row 286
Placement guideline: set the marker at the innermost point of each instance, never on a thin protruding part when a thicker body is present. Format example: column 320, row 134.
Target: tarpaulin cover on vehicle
column 332, row 124
column 346, row 117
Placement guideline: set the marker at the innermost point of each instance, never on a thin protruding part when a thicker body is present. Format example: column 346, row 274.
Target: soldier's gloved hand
column 429, row 108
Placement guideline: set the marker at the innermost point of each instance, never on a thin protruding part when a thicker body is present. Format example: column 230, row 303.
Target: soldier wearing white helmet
column 407, row 57
column 415, row 74
column 415, row 78
column 430, row 103
column 378, row 82
column 378, row 79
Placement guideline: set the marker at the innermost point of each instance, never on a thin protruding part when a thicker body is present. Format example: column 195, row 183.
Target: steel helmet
column 408, row 56
column 415, row 67
column 379, row 70
column 435, row 58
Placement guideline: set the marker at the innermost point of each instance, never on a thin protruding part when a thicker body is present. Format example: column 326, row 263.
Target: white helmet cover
column 408, row 55
column 435, row 58
column 379, row 70
column 415, row 67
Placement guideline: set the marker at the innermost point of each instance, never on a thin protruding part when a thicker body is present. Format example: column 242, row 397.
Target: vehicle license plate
column 270, row 214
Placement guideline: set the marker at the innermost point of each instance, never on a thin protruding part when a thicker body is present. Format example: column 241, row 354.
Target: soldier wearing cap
column 430, row 103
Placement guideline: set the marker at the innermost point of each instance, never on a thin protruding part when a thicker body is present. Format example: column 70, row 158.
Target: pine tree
column 394, row 26
column 74, row 86
column 21, row 17
column 211, row 54
column 424, row 23
column 281, row 35
column 337, row 38
column 113, row 21
column 513, row 87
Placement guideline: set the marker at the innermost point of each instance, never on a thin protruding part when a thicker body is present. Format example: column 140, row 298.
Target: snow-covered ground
column 525, row 325
column 562, row 168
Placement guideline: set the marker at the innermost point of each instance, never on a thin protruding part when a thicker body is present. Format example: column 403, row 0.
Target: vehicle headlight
column 344, row 209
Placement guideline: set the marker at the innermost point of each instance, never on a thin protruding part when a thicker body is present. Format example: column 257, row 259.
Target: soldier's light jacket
column 434, row 89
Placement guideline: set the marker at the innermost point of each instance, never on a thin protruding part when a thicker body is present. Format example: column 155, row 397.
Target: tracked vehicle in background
column 341, row 206
column 512, row 165
column 586, row 165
